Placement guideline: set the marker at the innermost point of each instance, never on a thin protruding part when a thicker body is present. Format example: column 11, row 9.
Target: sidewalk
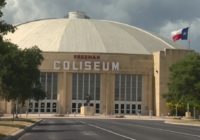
column 36, row 115
column 189, row 122
column 166, row 119
column 96, row 116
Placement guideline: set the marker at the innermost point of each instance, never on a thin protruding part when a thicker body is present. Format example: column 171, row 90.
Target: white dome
column 87, row 35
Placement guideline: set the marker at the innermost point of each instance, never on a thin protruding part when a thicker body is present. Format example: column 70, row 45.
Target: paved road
column 104, row 129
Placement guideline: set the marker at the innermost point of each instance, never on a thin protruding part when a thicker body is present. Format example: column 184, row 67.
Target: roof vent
column 78, row 14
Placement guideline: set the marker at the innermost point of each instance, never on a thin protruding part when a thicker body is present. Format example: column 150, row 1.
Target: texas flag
column 180, row 34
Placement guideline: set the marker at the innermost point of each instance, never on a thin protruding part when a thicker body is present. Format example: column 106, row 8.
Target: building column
column 157, row 72
column 147, row 106
column 68, row 93
column 5, row 106
column 107, row 93
column 61, row 92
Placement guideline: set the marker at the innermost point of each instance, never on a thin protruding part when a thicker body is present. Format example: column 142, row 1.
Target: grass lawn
column 8, row 126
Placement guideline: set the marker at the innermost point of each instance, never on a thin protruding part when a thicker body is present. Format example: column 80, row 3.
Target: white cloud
column 157, row 16
column 195, row 26
column 167, row 28
column 18, row 11
column 194, row 33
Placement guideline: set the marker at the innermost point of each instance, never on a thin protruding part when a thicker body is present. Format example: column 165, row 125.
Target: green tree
column 4, row 27
column 19, row 73
column 184, row 82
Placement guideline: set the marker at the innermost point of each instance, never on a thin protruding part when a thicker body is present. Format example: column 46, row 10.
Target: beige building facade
column 119, row 68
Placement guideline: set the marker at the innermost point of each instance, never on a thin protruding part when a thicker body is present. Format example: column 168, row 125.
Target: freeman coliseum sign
column 86, row 65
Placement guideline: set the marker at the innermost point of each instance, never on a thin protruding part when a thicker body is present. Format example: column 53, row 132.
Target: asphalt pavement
column 109, row 129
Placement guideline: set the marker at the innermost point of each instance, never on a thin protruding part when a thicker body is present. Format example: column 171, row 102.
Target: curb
column 21, row 132
column 187, row 124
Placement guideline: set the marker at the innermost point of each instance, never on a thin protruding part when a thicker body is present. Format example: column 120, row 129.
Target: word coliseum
column 86, row 65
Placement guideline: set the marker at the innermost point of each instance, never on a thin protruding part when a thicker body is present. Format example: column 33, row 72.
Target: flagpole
column 189, row 40
column 189, row 43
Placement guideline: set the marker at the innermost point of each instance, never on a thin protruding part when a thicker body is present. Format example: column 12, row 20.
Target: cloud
column 194, row 33
column 159, row 16
column 172, row 26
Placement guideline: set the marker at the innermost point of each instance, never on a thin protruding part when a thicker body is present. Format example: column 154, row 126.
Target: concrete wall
column 162, row 61
column 153, row 68
column 129, row 64
column 5, row 107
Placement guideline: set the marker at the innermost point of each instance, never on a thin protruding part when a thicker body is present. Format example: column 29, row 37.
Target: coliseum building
column 121, row 68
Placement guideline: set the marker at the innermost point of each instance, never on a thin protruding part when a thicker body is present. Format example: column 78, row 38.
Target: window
column 117, row 87
column 73, row 107
column 79, row 107
column 139, row 108
column 30, row 107
column 74, row 87
column 54, row 107
column 97, row 108
column 133, row 109
column 85, row 84
column 123, row 87
column 116, row 108
column 49, row 84
column 133, row 88
column 139, row 97
column 128, row 93
column 36, row 107
column 128, row 109
column 122, row 108
column 97, row 86
column 54, row 85
column 42, row 106
column 92, row 87
column 80, row 87
column 128, row 87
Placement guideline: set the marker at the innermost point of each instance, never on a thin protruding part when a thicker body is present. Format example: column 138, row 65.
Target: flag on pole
column 180, row 34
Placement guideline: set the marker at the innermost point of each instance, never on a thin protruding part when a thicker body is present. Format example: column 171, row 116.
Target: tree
column 19, row 73
column 4, row 27
column 184, row 82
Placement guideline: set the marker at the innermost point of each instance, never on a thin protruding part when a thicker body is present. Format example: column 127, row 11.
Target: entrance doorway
column 45, row 106
column 127, row 108
column 49, row 85
column 85, row 86
column 76, row 106
column 128, row 94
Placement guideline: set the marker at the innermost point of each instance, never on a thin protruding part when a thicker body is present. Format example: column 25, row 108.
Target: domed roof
column 78, row 34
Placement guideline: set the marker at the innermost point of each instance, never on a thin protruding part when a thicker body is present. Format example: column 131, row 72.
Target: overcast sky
column 157, row 16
